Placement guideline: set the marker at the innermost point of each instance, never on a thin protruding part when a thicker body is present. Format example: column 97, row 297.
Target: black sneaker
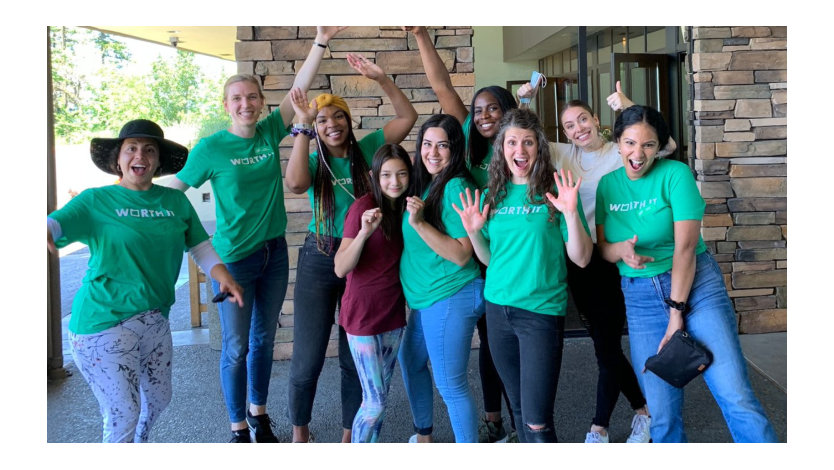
column 241, row 436
column 261, row 427
column 494, row 431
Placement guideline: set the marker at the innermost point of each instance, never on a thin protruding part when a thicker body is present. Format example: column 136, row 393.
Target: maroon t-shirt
column 373, row 302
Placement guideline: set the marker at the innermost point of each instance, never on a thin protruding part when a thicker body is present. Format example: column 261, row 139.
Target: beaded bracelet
column 311, row 133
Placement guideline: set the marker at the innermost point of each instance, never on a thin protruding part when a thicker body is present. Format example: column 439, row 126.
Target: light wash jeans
column 711, row 321
column 375, row 357
column 443, row 333
column 248, row 332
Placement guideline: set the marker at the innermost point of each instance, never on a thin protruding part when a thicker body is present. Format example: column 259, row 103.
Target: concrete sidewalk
column 197, row 412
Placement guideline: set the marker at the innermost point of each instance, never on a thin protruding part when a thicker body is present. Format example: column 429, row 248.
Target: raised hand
column 413, row 29
column 568, row 192
column 371, row 219
column 630, row 257
column 326, row 33
column 473, row 219
column 365, row 67
column 414, row 205
column 618, row 100
column 298, row 99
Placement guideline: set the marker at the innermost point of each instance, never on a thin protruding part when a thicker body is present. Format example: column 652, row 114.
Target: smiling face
column 138, row 161
column 487, row 114
column 393, row 178
column 638, row 146
column 333, row 128
column 582, row 128
column 244, row 103
column 520, row 151
column 435, row 151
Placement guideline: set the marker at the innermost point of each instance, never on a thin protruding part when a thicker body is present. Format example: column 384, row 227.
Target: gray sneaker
column 640, row 429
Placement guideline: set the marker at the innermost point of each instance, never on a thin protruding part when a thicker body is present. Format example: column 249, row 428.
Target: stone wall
column 275, row 53
column 740, row 150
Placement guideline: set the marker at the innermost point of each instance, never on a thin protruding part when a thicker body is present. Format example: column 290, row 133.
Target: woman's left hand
column 568, row 197
column 227, row 283
column 675, row 324
column 327, row 32
column 364, row 66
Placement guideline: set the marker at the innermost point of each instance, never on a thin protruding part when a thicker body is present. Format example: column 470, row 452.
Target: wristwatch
column 680, row 306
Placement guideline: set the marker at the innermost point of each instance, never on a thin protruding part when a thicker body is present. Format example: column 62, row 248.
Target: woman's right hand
column 473, row 219
column 303, row 111
column 414, row 205
column 371, row 219
column 50, row 244
column 630, row 257
column 413, row 29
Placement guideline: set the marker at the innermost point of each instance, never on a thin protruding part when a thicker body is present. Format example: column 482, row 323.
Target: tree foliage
column 93, row 97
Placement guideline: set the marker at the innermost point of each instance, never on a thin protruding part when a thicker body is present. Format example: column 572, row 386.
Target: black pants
column 528, row 355
column 317, row 292
column 599, row 299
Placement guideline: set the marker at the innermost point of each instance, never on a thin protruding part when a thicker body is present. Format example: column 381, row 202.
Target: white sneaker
column 594, row 437
column 412, row 439
column 640, row 425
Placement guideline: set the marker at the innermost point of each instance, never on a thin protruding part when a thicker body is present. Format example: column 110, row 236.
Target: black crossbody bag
column 681, row 360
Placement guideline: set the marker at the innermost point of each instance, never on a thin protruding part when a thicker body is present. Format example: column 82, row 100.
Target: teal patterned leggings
column 375, row 357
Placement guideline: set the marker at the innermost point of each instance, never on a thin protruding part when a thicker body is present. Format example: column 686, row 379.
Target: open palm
column 568, row 192
column 471, row 217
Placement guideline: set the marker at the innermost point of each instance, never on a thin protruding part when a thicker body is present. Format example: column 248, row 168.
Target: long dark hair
column 637, row 113
column 391, row 216
column 324, row 212
column 540, row 179
column 478, row 144
column 421, row 178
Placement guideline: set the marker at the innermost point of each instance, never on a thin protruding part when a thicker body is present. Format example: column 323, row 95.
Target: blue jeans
column 443, row 333
column 374, row 357
column 710, row 320
column 527, row 350
column 248, row 332
column 317, row 292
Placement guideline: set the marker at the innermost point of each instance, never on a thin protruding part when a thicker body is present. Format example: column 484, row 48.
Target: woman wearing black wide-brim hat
column 136, row 231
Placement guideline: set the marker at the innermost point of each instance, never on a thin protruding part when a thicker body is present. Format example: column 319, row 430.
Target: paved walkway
column 197, row 412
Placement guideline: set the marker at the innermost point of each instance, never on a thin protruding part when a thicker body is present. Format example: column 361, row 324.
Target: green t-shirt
column 245, row 175
column 136, row 241
column 479, row 173
column 426, row 276
column 527, row 255
column 648, row 208
column 341, row 169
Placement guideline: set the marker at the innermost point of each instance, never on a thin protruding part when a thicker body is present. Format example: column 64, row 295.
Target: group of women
column 477, row 230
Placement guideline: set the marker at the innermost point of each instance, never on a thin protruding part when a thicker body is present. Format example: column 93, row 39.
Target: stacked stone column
column 275, row 54
column 740, row 150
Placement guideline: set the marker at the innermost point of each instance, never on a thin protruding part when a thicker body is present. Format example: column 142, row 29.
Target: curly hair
column 540, row 179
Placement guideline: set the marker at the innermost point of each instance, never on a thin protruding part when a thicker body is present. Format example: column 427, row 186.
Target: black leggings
column 599, row 299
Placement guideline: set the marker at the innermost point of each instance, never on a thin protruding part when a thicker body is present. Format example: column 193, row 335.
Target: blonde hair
column 242, row 77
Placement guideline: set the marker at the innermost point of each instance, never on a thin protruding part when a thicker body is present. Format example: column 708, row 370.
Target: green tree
column 99, row 96
column 175, row 88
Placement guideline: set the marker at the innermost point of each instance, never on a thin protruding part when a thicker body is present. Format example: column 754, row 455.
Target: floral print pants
column 128, row 368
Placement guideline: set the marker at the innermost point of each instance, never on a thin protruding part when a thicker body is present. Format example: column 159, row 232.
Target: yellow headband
column 326, row 99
